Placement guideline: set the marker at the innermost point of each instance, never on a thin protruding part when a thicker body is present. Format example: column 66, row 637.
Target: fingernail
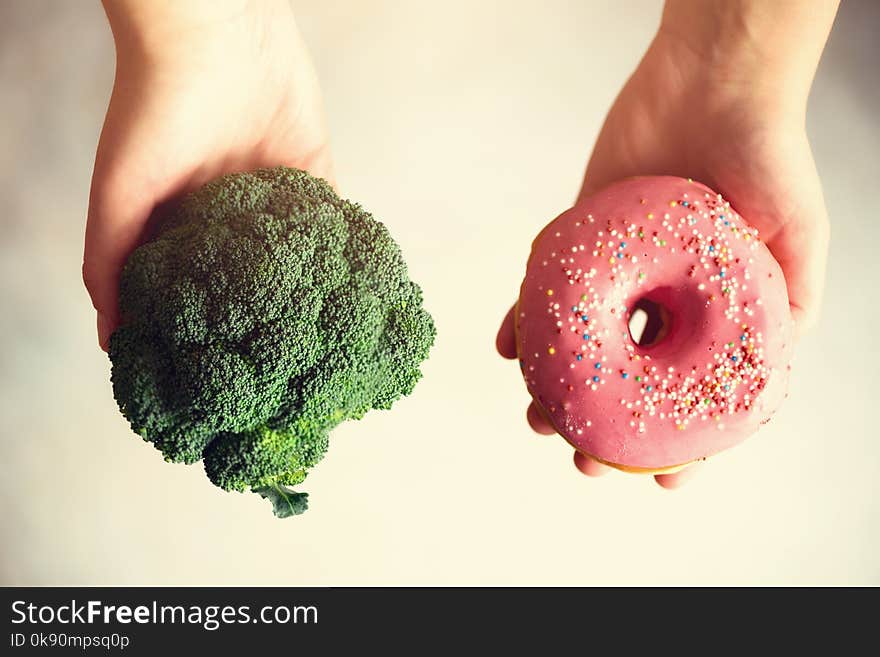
column 103, row 331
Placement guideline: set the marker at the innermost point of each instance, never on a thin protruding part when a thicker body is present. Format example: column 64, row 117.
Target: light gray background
column 465, row 126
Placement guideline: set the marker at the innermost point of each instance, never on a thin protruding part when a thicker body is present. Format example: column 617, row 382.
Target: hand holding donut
column 720, row 97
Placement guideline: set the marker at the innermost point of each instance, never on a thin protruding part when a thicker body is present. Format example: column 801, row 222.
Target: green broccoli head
column 265, row 311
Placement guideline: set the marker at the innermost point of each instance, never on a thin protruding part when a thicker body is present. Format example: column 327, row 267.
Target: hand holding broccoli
column 264, row 310
column 203, row 88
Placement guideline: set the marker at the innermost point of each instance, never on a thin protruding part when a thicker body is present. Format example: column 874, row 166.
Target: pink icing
column 720, row 370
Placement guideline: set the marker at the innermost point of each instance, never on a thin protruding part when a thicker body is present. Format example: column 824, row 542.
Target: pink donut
column 713, row 362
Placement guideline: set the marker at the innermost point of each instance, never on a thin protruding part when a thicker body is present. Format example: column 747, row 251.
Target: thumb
column 785, row 203
column 801, row 246
column 118, row 213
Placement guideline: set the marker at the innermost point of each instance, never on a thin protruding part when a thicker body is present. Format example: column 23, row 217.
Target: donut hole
column 648, row 322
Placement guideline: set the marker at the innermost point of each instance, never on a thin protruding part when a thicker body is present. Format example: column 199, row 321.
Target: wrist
column 770, row 48
column 729, row 75
column 169, row 30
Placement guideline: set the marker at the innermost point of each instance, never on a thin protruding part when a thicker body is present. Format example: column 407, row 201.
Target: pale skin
column 207, row 87
column 203, row 88
column 721, row 96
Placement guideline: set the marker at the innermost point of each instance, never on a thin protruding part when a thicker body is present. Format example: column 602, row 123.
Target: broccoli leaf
column 285, row 502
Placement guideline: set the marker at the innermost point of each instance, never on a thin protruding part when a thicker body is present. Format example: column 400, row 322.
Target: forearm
column 769, row 43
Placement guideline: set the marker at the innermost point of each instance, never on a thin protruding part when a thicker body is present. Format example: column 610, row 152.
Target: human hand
column 731, row 116
column 204, row 89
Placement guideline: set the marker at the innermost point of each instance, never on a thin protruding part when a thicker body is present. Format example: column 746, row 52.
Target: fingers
column 505, row 341
column 589, row 466
column 677, row 479
column 593, row 468
column 538, row 421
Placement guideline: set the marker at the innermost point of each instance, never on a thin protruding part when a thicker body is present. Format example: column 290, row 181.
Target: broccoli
column 264, row 311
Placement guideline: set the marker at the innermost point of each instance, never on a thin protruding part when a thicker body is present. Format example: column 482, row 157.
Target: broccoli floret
column 265, row 311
